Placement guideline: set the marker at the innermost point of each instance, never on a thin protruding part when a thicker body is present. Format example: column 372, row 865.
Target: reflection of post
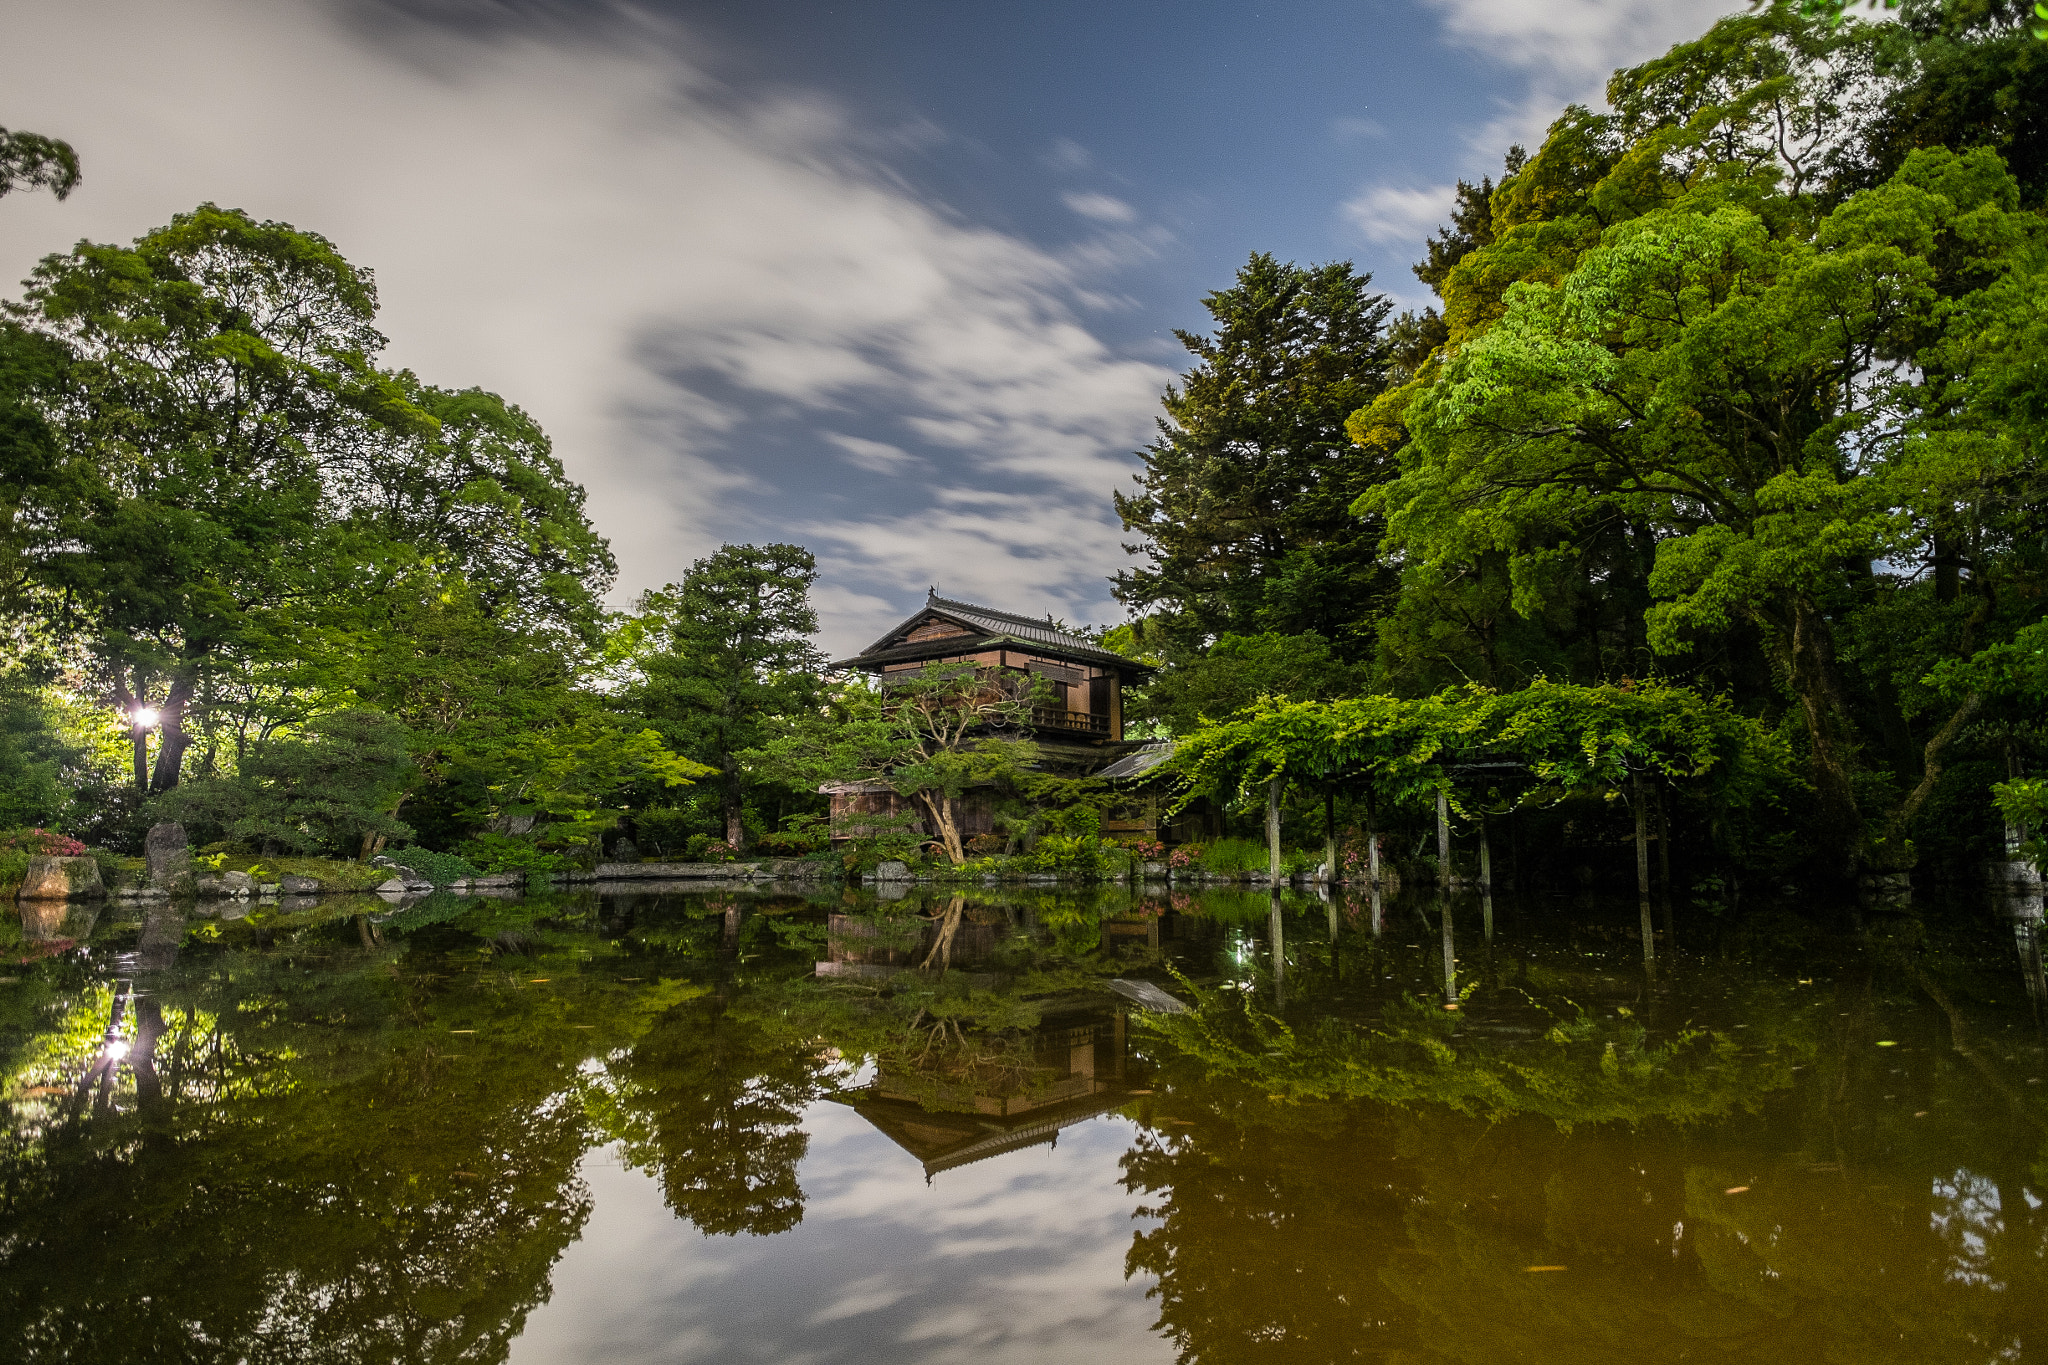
column 163, row 931
column 1450, row 956
column 1379, row 914
column 1486, row 879
column 1279, row 944
column 729, row 941
column 1330, row 904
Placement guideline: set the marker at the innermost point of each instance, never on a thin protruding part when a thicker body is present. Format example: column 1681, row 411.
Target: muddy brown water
column 736, row 1124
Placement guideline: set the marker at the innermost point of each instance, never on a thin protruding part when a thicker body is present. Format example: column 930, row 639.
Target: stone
column 892, row 871
column 1155, row 869
column 393, row 887
column 237, row 884
column 293, row 885
column 625, row 851
column 169, row 856
column 62, row 878
column 207, row 886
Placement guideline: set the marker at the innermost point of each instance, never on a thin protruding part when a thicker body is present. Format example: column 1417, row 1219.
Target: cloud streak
column 682, row 283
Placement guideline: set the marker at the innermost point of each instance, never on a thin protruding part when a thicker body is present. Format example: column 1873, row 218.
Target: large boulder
column 893, row 871
column 169, row 855
column 294, row 885
column 55, row 878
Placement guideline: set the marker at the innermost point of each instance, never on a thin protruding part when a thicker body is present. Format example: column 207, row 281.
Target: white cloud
column 1102, row 208
column 1067, row 156
column 1356, row 129
column 1391, row 216
column 877, row 457
column 1568, row 48
column 648, row 262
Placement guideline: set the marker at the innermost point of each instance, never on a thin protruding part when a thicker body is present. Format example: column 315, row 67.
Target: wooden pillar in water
column 1443, row 840
column 1273, row 836
column 1485, row 879
column 1329, row 836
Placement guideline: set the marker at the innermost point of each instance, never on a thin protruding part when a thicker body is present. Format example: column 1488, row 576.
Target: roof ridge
column 1039, row 622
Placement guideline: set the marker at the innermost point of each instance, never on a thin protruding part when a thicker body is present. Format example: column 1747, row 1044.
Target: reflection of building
column 1074, row 1069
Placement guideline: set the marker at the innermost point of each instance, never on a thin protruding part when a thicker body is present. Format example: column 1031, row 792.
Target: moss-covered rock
column 53, row 877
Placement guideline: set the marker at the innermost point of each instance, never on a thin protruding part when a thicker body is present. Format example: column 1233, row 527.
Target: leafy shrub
column 1187, row 855
column 719, row 851
column 40, row 842
column 791, row 843
column 1150, row 851
column 664, row 831
column 509, row 853
column 438, row 868
column 327, row 789
column 987, row 845
column 1235, row 855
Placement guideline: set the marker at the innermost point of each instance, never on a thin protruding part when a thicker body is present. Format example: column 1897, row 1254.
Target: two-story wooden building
column 1087, row 680
column 1080, row 731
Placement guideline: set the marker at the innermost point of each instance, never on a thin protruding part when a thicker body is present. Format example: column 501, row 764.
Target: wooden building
column 1087, row 680
column 1080, row 732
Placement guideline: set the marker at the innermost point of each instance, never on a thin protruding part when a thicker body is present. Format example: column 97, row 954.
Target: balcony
column 1079, row 722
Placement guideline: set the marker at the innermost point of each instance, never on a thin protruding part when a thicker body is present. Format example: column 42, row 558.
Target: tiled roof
column 991, row 626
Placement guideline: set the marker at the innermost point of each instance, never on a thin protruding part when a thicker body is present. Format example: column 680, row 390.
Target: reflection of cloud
column 661, row 269
column 1388, row 215
column 1015, row 1259
column 1101, row 207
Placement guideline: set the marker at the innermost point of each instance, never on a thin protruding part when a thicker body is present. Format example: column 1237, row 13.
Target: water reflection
column 362, row 1131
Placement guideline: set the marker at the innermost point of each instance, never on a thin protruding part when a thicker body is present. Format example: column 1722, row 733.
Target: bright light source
column 144, row 717
column 117, row 1049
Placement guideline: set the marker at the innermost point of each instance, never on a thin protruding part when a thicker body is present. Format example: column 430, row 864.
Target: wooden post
column 1450, row 955
column 1372, row 850
column 1273, row 835
column 1443, row 840
column 1330, row 836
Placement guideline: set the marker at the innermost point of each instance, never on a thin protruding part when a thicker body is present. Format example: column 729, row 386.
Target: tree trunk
column 1810, row 661
column 939, row 810
column 1642, row 846
column 735, row 826
column 172, row 741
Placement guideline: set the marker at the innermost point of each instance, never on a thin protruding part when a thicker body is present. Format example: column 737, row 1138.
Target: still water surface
column 729, row 1124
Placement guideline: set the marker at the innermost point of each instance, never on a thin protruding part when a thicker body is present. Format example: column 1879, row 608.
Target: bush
column 719, row 851
column 40, row 842
column 438, row 868
column 664, row 831
column 987, row 845
column 1187, row 855
column 1227, row 856
column 509, row 853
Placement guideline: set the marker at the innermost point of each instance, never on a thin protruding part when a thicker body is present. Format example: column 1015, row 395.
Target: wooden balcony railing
column 1057, row 718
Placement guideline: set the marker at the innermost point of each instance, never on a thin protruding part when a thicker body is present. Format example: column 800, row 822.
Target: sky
column 894, row 280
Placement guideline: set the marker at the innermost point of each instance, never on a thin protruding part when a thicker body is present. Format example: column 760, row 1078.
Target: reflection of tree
column 1320, row 1196
column 306, row 1165
column 712, row 1102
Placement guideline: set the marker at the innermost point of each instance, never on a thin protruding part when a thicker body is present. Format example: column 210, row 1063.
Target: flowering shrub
column 985, row 845
column 719, row 851
column 1187, row 855
column 1150, row 852
column 40, row 841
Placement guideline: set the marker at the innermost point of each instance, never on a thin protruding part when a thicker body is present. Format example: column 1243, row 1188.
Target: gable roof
column 984, row 627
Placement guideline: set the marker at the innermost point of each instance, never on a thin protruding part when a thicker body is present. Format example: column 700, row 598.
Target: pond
column 740, row 1124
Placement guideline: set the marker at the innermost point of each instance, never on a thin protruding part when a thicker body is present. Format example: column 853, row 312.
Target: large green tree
column 1241, row 511
column 724, row 654
column 1807, row 411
